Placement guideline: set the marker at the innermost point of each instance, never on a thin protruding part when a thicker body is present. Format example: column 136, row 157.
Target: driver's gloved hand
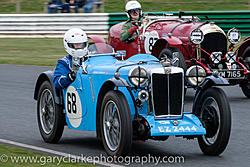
column 133, row 29
column 72, row 75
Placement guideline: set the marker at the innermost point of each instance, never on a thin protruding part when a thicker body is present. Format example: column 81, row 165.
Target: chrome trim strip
column 91, row 89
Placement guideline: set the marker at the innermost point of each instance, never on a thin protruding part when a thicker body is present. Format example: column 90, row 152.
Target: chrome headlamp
column 233, row 36
column 138, row 76
column 195, row 75
column 196, row 36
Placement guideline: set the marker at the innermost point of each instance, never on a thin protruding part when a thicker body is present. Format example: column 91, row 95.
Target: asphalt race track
column 18, row 123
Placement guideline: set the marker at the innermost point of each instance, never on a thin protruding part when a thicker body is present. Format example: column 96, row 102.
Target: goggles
column 134, row 11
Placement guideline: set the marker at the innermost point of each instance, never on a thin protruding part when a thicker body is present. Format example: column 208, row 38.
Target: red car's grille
column 213, row 42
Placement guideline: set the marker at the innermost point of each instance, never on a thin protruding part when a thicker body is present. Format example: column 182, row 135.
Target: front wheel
column 168, row 53
column 245, row 87
column 214, row 112
column 116, row 124
column 49, row 115
column 246, row 57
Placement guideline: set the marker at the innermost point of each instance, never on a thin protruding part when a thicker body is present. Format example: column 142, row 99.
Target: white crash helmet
column 76, row 36
column 133, row 5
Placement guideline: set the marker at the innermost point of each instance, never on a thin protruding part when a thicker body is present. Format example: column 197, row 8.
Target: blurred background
column 28, row 39
column 37, row 6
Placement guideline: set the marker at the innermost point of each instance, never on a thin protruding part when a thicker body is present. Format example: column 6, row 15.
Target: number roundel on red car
column 150, row 39
column 73, row 107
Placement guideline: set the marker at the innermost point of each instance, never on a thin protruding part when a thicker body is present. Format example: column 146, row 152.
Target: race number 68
column 73, row 107
column 71, row 101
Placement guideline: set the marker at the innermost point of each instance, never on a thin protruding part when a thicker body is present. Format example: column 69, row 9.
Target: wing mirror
column 121, row 53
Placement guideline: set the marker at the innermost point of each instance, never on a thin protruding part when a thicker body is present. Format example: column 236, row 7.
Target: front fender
column 162, row 43
column 119, row 82
column 48, row 76
column 210, row 81
column 172, row 40
column 110, row 84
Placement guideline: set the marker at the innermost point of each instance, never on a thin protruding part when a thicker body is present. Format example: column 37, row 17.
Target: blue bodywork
column 100, row 70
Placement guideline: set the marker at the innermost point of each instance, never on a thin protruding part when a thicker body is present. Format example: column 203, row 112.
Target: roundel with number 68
column 151, row 38
column 73, row 107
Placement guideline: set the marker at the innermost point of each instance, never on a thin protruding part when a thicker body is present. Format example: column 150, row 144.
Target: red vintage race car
column 201, row 48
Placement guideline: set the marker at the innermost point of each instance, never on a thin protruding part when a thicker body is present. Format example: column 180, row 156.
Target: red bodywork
column 175, row 33
column 163, row 28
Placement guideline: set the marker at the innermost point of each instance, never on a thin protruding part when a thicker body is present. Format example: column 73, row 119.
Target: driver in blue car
column 76, row 45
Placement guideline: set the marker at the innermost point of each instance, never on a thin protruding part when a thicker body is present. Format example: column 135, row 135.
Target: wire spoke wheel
column 116, row 124
column 112, row 130
column 47, row 111
column 51, row 119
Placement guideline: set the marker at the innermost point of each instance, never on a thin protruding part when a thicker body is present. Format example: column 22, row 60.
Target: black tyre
column 116, row 124
column 169, row 54
column 50, row 117
column 214, row 112
column 245, row 87
column 246, row 57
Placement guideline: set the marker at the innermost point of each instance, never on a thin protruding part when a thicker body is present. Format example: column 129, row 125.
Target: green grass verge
column 36, row 6
column 31, row 51
column 9, row 156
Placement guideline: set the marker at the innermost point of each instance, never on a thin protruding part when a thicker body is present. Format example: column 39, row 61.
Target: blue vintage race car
column 137, row 99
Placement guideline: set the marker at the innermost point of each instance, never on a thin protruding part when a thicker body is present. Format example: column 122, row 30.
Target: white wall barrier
column 52, row 25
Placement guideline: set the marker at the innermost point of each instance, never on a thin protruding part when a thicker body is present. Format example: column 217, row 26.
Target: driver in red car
column 134, row 13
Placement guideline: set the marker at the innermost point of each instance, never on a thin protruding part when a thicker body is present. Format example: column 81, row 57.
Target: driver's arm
column 127, row 31
column 60, row 78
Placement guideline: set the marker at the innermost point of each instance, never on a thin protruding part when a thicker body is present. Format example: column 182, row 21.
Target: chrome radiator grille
column 167, row 94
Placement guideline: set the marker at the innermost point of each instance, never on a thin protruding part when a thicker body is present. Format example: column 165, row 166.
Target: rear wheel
column 49, row 115
column 214, row 112
column 116, row 124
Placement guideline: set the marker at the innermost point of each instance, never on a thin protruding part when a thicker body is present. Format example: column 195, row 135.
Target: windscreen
column 100, row 48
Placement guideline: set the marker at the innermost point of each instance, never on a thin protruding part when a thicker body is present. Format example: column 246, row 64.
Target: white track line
column 53, row 152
